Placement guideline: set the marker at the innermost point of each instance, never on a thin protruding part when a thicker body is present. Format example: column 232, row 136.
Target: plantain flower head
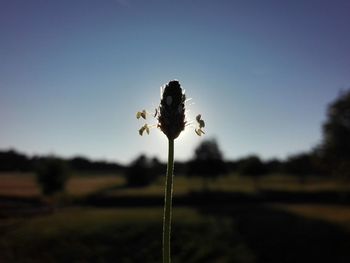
column 171, row 112
column 171, row 118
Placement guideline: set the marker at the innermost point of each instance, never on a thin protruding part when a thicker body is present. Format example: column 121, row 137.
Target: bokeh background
column 268, row 182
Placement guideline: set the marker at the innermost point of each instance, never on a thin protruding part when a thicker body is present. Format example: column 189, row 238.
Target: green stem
column 168, row 204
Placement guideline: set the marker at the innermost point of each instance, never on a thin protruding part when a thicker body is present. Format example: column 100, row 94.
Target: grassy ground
column 210, row 232
column 334, row 214
column 238, row 184
column 226, row 234
column 120, row 235
column 25, row 185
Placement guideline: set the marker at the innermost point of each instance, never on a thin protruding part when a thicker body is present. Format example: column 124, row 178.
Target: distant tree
column 336, row 139
column 252, row 165
column 157, row 168
column 181, row 167
column 207, row 162
column 85, row 165
column 80, row 164
column 52, row 175
column 274, row 166
column 319, row 164
column 13, row 161
column 301, row 165
column 142, row 171
column 298, row 164
column 232, row 166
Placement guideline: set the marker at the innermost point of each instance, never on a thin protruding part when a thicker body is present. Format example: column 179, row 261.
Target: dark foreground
column 101, row 220
column 213, row 228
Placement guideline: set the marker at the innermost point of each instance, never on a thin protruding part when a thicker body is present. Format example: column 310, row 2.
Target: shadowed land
column 284, row 220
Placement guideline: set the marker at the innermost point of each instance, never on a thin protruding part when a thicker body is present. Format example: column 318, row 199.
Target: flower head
column 171, row 118
column 171, row 112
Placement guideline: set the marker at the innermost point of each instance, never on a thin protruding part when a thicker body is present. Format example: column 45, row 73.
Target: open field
column 25, row 185
column 235, row 220
column 239, row 184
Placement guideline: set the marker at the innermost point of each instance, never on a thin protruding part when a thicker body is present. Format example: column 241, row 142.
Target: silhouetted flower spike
column 171, row 116
column 171, row 112
column 172, row 121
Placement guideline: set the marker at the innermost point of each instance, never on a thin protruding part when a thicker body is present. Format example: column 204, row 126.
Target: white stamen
column 161, row 91
column 190, row 123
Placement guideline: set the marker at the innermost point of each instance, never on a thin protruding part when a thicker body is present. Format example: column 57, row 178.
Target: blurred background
column 268, row 182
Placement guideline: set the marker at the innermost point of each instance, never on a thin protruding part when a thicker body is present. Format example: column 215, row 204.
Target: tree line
column 13, row 161
column 330, row 157
column 207, row 161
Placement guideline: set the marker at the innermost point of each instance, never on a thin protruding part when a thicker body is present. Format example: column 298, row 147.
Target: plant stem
column 168, row 204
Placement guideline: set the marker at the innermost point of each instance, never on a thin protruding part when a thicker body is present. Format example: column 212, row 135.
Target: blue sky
column 74, row 73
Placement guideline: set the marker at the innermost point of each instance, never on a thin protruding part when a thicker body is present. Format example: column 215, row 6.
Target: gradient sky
column 74, row 73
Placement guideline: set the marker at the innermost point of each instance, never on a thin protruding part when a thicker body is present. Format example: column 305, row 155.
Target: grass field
column 25, row 185
column 120, row 235
column 212, row 232
column 238, row 184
